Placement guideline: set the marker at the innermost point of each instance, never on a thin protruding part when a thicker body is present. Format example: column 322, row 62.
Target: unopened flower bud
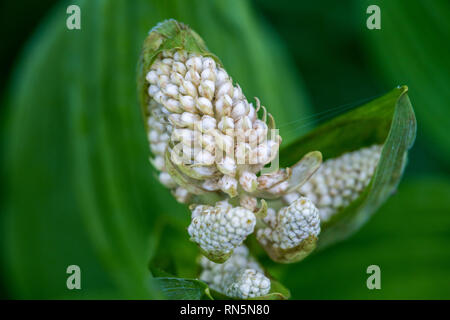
column 293, row 234
column 219, row 230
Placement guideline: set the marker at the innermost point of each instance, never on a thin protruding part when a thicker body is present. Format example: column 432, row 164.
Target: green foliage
column 413, row 47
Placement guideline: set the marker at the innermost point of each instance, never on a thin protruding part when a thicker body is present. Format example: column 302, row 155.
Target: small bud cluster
column 339, row 181
column 208, row 124
column 220, row 229
column 248, row 283
column 292, row 225
column 239, row 277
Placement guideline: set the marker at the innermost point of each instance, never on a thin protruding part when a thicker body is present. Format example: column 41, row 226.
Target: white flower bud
column 208, row 74
column 158, row 163
column 167, row 180
column 167, row 58
column 206, row 124
column 225, row 88
column 228, row 185
column 248, row 181
column 179, row 67
column 153, row 89
column 204, row 157
column 195, row 63
column 188, row 103
column 173, row 105
column 193, row 76
column 182, row 195
column 237, row 93
column 244, row 124
column 189, row 88
column 151, row 77
column 171, row 90
column 227, row 166
column 225, row 123
column 163, row 81
column 239, row 110
column 180, row 56
column 176, row 78
column 206, row 89
column 209, row 63
column 223, row 105
column 205, row 106
column 221, row 77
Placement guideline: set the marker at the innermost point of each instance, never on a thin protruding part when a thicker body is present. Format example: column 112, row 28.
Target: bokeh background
column 76, row 185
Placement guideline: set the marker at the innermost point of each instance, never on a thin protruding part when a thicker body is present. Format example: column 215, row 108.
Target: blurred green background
column 76, row 185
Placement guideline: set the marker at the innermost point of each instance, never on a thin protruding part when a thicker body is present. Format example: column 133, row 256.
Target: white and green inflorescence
column 220, row 229
column 211, row 148
column 203, row 127
column 220, row 139
column 239, row 277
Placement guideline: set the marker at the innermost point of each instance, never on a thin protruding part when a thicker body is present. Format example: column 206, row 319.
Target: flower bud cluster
column 220, row 229
column 212, row 132
column 239, row 277
column 291, row 226
column 339, row 181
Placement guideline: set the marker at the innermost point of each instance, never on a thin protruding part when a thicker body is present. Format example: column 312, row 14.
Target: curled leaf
column 388, row 121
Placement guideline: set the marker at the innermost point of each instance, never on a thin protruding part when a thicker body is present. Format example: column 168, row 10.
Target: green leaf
column 413, row 51
column 388, row 120
column 183, row 289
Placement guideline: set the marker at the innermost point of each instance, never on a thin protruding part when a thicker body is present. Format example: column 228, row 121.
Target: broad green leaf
column 413, row 47
column 80, row 188
column 408, row 239
column 388, row 120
